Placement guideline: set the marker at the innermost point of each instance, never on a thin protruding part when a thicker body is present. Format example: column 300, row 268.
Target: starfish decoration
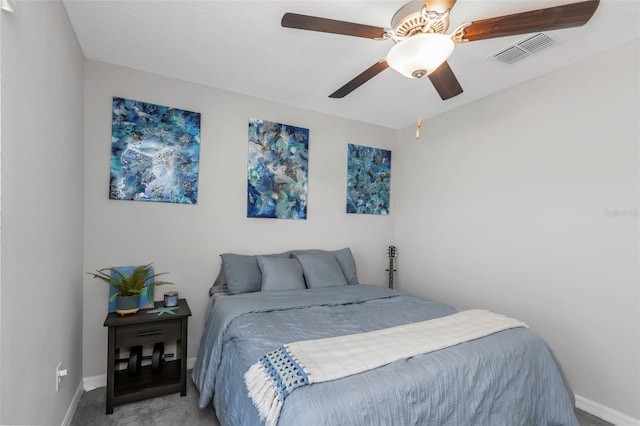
column 161, row 311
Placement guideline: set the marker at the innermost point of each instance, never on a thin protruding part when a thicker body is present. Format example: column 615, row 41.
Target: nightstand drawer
column 148, row 334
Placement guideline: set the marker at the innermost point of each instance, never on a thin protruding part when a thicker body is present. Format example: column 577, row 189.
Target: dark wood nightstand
column 146, row 329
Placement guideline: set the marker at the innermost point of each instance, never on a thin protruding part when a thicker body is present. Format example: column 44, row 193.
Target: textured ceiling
column 240, row 46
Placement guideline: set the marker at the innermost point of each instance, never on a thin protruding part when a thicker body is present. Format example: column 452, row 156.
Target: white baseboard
column 100, row 381
column 94, row 382
column 605, row 413
column 74, row 404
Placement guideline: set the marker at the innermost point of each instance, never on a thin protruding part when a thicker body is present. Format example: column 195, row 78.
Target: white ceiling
column 240, row 46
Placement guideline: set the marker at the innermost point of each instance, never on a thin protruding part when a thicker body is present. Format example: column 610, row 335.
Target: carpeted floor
column 165, row 410
column 172, row 410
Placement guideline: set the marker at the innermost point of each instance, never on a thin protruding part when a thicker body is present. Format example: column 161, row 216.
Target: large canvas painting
column 368, row 180
column 155, row 152
column 277, row 172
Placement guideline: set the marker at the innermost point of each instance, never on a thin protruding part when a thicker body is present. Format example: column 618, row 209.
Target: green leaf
column 127, row 285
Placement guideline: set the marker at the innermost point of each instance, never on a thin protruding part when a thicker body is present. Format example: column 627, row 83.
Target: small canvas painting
column 146, row 294
column 155, row 152
column 368, row 180
column 277, row 171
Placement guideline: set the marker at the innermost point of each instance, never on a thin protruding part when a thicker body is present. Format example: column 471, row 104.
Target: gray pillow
column 242, row 272
column 345, row 259
column 321, row 270
column 219, row 285
column 280, row 273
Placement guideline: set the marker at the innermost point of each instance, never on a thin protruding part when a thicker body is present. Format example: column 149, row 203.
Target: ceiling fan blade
column 439, row 6
column 552, row 18
column 324, row 25
column 445, row 82
column 362, row 78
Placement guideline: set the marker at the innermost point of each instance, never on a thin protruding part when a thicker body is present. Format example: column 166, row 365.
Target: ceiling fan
column 422, row 48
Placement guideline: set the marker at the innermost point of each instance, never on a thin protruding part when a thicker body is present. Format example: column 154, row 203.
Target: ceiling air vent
column 524, row 48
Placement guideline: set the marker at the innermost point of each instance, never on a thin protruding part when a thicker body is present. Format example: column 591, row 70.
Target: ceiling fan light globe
column 419, row 53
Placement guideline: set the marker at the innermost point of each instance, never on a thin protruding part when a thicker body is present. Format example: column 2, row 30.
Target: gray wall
column 186, row 240
column 42, row 212
column 526, row 202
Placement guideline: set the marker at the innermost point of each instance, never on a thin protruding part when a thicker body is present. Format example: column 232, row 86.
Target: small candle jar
column 170, row 299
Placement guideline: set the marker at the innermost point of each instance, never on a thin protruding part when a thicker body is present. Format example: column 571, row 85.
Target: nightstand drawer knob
column 149, row 333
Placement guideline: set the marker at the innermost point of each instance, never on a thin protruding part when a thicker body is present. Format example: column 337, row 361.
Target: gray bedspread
column 508, row 378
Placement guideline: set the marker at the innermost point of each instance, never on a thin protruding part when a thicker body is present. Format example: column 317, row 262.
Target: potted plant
column 128, row 287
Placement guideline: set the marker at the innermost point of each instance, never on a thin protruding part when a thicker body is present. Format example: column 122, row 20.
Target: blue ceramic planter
column 127, row 304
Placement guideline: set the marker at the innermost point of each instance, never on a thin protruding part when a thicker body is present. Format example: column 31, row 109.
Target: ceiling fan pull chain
column 418, row 128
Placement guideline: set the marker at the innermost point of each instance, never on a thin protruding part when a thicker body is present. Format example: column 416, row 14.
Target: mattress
column 507, row 378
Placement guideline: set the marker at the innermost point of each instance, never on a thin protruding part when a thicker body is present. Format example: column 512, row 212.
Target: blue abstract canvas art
column 368, row 180
column 277, row 171
column 155, row 152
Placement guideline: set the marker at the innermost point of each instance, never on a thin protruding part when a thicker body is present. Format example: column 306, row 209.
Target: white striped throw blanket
column 278, row 373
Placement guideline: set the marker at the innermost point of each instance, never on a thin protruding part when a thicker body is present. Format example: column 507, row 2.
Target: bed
column 509, row 377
